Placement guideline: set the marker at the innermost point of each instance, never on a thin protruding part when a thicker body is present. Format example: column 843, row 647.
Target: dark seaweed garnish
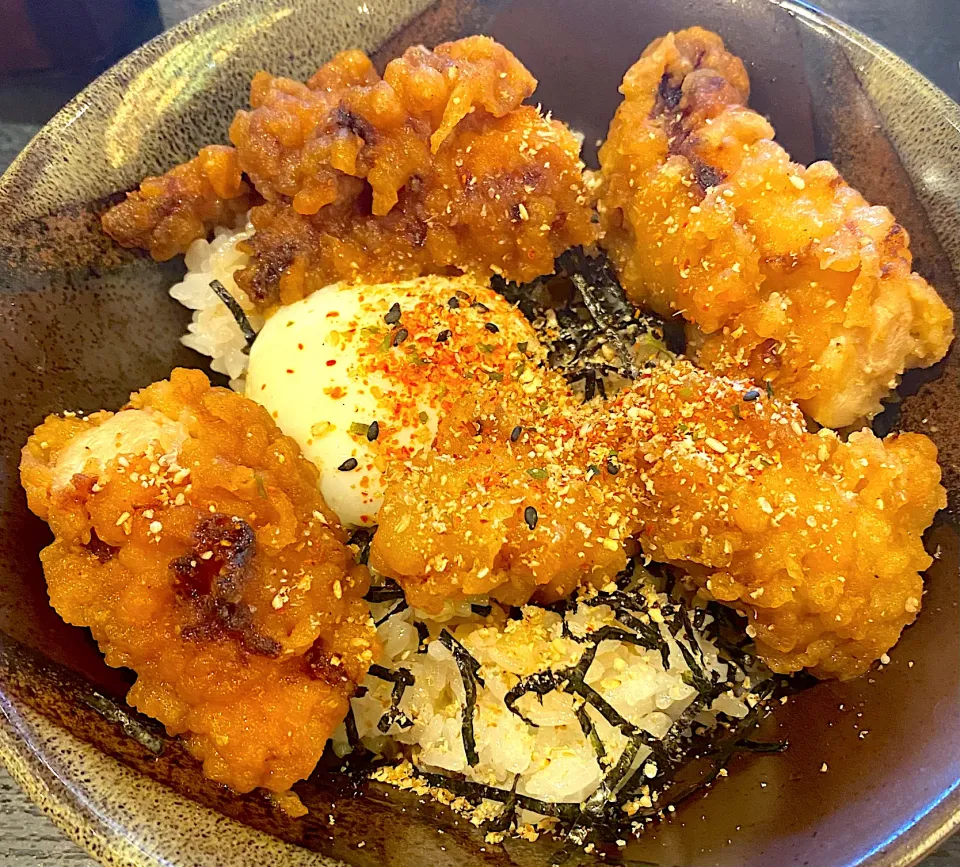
column 590, row 730
column 470, row 675
column 361, row 540
column 688, row 749
column 401, row 679
column 690, row 756
column 386, row 592
column 596, row 328
column 236, row 311
column 353, row 735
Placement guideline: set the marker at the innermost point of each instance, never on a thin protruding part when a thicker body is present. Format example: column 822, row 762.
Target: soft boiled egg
column 359, row 375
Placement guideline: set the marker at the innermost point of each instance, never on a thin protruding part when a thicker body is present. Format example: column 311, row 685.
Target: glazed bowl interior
column 872, row 771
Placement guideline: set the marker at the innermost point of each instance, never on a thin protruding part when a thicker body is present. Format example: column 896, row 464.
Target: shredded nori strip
column 401, row 679
column 590, row 730
column 389, row 591
column 762, row 746
column 601, row 815
column 470, row 675
column 353, row 735
column 482, row 610
column 400, row 606
column 480, row 791
column 236, row 311
column 648, row 633
column 573, row 680
column 362, row 538
column 591, row 311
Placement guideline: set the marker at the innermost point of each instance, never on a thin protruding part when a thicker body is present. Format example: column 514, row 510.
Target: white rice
column 213, row 331
column 552, row 760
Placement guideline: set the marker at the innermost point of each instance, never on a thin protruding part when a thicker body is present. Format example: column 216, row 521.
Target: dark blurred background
column 49, row 49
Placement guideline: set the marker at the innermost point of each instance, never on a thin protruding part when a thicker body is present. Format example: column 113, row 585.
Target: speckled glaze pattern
column 83, row 323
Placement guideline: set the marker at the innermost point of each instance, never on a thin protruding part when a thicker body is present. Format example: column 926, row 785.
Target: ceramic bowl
column 84, row 323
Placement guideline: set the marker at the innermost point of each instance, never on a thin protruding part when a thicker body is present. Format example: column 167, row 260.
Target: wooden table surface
column 926, row 32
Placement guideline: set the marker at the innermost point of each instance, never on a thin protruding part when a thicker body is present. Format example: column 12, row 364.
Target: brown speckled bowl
column 84, row 323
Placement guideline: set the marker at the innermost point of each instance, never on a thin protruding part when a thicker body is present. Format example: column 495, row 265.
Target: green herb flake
column 261, row 487
column 485, row 347
column 538, row 473
column 769, row 385
column 495, row 375
column 358, row 429
column 422, row 416
column 522, row 346
column 736, row 411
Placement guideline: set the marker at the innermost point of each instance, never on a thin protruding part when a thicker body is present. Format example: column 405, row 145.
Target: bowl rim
column 22, row 754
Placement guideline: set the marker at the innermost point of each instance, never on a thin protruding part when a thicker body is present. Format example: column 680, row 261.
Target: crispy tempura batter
column 191, row 539
column 170, row 211
column 784, row 273
column 816, row 540
column 437, row 166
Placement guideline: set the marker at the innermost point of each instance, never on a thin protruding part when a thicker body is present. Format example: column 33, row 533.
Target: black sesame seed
column 491, row 327
column 753, row 394
column 479, row 305
column 347, row 465
column 400, row 336
column 515, row 433
column 531, row 517
column 393, row 314
column 373, row 431
column 453, row 303
column 612, row 467
column 443, row 336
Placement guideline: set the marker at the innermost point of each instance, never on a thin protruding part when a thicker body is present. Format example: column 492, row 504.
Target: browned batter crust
column 817, row 541
column 215, row 572
column 436, row 167
column 784, row 273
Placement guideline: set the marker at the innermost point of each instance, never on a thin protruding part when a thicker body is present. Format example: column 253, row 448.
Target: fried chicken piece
column 191, row 539
column 784, row 273
column 435, row 167
column 502, row 195
column 170, row 212
column 300, row 141
column 817, row 541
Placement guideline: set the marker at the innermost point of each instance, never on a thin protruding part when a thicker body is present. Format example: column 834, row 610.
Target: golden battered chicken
column 784, row 273
column 817, row 541
column 186, row 203
column 191, row 538
column 435, row 167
